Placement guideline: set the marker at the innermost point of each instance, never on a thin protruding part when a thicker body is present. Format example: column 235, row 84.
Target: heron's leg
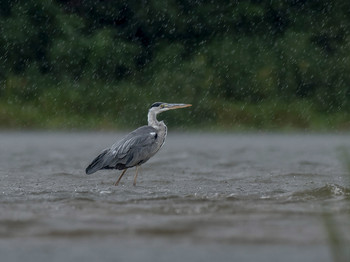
column 135, row 177
column 120, row 177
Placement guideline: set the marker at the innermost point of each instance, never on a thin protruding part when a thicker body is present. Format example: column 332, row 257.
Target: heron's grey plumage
column 138, row 146
column 134, row 149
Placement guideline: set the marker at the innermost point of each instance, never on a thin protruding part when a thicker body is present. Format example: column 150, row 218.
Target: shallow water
column 203, row 197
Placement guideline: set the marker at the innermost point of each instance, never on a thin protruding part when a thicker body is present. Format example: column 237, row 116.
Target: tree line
column 259, row 64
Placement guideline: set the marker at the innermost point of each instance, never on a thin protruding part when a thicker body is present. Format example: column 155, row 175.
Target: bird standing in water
column 137, row 147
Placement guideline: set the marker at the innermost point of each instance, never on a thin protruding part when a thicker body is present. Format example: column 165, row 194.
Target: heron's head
column 159, row 107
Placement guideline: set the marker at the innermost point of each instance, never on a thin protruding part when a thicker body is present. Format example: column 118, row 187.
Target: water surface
column 203, row 197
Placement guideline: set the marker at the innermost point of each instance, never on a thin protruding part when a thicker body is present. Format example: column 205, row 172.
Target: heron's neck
column 153, row 122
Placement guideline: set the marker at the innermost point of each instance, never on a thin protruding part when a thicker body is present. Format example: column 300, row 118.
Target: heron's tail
column 96, row 164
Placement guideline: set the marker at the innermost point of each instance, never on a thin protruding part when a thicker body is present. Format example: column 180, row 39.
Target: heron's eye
column 161, row 106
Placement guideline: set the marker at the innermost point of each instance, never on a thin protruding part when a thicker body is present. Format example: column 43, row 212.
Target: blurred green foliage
column 242, row 64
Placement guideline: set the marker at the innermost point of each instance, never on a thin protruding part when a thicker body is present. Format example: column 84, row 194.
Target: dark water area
column 203, row 197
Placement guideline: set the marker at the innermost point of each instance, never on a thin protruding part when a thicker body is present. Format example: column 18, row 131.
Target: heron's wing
column 135, row 148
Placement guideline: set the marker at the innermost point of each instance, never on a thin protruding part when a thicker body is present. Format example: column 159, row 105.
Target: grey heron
column 137, row 147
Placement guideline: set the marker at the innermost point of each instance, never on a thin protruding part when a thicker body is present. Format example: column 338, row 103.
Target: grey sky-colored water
column 204, row 196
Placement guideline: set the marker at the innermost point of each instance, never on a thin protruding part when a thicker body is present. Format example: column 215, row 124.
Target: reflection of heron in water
column 136, row 147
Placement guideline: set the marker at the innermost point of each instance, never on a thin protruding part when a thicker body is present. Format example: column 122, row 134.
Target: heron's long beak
column 176, row 106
